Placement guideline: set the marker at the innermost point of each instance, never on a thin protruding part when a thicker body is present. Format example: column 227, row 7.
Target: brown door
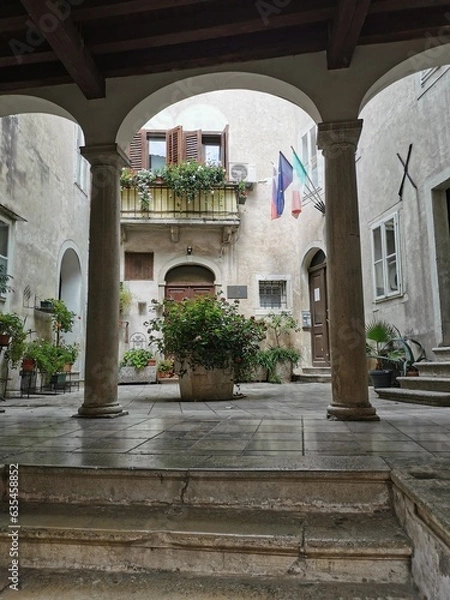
column 180, row 292
column 319, row 312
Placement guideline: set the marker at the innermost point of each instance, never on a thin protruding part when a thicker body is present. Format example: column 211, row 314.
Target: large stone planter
column 203, row 384
column 133, row 375
column 283, row 371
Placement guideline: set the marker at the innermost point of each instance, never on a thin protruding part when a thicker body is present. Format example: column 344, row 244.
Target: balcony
column 215, row 208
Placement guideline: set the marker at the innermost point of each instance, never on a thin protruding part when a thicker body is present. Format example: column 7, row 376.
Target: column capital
column 338, row 133
column 105, row 154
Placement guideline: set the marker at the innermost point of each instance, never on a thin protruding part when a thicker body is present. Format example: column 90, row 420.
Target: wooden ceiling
column 51, row 42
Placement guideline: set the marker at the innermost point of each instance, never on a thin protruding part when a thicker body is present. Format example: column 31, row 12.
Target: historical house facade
column 44, row 218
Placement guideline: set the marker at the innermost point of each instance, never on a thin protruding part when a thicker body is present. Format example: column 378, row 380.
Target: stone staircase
column 431, row 387
column 313, row 375
column 303, row 534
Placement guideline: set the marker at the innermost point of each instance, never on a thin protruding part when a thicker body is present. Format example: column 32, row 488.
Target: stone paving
column 269, row 425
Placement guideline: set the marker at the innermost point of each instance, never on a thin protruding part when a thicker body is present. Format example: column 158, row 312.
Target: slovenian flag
column 285, row 175
column 299, row 180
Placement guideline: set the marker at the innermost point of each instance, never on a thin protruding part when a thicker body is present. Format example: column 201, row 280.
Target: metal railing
column 219, row 204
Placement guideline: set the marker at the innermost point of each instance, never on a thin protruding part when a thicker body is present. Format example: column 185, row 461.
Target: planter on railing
column 220, row 203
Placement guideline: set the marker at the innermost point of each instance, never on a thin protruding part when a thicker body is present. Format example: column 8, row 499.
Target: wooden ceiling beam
column 59, row 31
column 119, row 9
column 206, row 32
column 345, row 31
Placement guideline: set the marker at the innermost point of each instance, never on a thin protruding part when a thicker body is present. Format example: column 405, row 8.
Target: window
column 386, row 264
column 272, row 294
column 156, row 151
column 4, row 240
column 153, row 149
column 310, row 157
column 139, row 266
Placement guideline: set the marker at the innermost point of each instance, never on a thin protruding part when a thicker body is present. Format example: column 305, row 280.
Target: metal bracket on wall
column 405, row 172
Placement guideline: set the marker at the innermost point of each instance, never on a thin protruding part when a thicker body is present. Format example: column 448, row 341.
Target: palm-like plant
column 382, row 343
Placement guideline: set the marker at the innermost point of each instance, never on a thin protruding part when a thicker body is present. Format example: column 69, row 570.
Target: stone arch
column 436, row 56
column 16, row 104
column 182, row 261
column 201, row 84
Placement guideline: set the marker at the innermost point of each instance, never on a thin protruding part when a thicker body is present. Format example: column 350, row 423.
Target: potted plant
column 279, row 357
column 138, row 365
column 385, row 345
column 50, row 359
column 164, row 368
column 213, row 344
column 12, row 328
column 125, row 299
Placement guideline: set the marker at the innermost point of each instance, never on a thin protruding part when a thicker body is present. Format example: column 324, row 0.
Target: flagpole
column 314, row 190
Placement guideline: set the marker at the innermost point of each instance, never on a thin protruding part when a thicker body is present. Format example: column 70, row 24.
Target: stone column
column 350, row 399
column 102, row 326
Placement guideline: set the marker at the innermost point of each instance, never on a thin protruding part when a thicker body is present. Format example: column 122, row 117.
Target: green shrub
column 137, row 358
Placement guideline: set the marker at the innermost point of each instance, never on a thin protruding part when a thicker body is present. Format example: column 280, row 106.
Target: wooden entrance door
column 319, row 314
column 182, row 291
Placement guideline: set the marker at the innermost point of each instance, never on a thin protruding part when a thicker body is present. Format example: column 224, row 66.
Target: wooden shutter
column 174, row 144
column 193, row 149
column 138, row 150
column 139, row 266
column 224, row 150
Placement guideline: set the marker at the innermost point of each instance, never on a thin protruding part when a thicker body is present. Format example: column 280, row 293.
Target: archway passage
column 188, row 281
column 70, row 286
column 319, row 310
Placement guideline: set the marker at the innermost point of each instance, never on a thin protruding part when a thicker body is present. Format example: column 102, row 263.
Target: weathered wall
column 37, row 182
column 401, row 115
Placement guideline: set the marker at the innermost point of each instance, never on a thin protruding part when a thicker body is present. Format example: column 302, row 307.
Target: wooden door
column 319, row 313
column 182, row 291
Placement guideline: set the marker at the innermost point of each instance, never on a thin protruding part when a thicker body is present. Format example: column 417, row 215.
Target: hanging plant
column 142, row 180
column 189, row 178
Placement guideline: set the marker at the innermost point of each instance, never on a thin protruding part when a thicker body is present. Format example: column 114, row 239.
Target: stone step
column 348, row 548
column 442, row 353
column 432, row 384
column 415, row 396
column 433, row 369
column 332, row 484
column 320, row 378
column 67, row 585
column 316, row 371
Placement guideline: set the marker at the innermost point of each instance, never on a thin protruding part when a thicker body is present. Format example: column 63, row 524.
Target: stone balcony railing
column 220, row 205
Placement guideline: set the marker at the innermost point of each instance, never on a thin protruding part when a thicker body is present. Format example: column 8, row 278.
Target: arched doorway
column 319, row 310
column 70, row 290
column 187, row 281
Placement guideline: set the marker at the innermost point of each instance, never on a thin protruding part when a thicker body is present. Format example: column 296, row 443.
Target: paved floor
column 271, row 425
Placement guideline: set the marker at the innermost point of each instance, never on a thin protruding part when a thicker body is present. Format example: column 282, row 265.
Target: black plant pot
column 381, row 378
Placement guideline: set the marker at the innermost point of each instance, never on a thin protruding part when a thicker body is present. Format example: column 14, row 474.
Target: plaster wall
column 404, row 114
column 261, row 248
column 37, row 182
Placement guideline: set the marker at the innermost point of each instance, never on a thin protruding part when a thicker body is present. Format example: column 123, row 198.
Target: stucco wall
column 404, row 114
column 37, row 182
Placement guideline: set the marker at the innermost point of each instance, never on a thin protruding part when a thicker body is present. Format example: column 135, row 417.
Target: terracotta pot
column 4, row 339
column 67, row 367
column 28, row 364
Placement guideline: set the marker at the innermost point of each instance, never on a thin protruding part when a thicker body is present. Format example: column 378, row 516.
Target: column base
column 352, row 413
column 106, row 411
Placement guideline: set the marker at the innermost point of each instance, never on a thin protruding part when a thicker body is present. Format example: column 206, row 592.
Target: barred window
column 272, row 294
